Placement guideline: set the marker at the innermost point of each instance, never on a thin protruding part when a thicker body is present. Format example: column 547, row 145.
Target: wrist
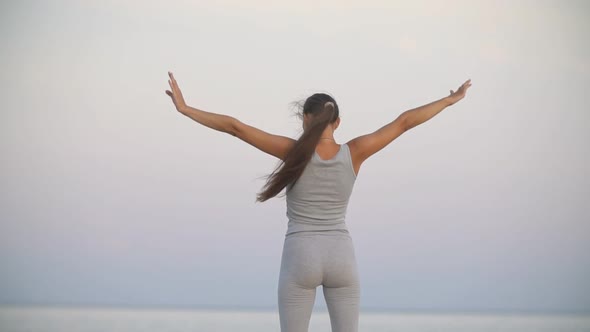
column 183, row 109
column 448, row 101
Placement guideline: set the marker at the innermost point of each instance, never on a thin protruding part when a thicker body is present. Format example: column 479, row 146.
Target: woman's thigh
column 341, row 284
column 300, row 275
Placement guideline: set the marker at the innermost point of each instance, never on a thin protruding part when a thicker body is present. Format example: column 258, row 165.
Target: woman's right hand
column 460, row 93
column 176, row 94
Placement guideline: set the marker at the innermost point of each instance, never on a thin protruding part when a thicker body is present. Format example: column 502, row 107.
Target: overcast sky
column 109, row 196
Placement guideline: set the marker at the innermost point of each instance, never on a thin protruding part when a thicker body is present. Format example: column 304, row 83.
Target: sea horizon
column 87, row 318
column 320, row 308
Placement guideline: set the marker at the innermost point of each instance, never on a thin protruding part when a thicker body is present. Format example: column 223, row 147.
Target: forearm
column 219, row 122
column 421, row 114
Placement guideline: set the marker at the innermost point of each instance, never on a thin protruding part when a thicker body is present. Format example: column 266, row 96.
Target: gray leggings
column 318, row 258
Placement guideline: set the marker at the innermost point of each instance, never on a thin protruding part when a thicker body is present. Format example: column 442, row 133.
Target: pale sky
column 111, row 197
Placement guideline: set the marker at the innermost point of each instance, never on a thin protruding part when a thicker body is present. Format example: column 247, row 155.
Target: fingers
column 173, row 87
column 467, row 86
column 174, row 91
column 173, row 84
column 464, row 86
column 172, row 80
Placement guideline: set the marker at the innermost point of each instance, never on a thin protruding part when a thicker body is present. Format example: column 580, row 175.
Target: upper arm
column 365, row 146
column 275, row 145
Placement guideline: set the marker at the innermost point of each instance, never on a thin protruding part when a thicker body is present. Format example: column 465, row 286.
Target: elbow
column 233, row 126
column 405, row 122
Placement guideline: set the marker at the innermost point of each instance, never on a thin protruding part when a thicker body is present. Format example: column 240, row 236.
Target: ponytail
column 295, row 161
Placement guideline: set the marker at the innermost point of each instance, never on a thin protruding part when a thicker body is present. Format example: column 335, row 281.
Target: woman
column 318, row 175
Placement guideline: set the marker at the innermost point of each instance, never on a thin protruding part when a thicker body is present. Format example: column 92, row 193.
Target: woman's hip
column 313, row 258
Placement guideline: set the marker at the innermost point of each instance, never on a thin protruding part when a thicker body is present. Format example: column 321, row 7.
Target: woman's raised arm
column 275, row 145
column 365, row 146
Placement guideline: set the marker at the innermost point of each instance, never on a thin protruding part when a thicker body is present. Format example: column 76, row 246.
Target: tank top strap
column 346, row 157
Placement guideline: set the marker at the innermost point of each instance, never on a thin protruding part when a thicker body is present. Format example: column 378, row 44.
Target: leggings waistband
column 331, row 232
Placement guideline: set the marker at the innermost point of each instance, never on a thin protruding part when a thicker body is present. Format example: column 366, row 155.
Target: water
column 33, row 319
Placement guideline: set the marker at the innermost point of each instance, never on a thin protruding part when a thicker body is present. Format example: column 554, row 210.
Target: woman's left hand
column 455, row 96
column 176, row 94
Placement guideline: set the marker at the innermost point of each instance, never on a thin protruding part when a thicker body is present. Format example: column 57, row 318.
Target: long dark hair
column 290, row 169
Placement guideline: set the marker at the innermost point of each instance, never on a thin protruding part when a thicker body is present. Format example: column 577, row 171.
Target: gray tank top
column 319, row 198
